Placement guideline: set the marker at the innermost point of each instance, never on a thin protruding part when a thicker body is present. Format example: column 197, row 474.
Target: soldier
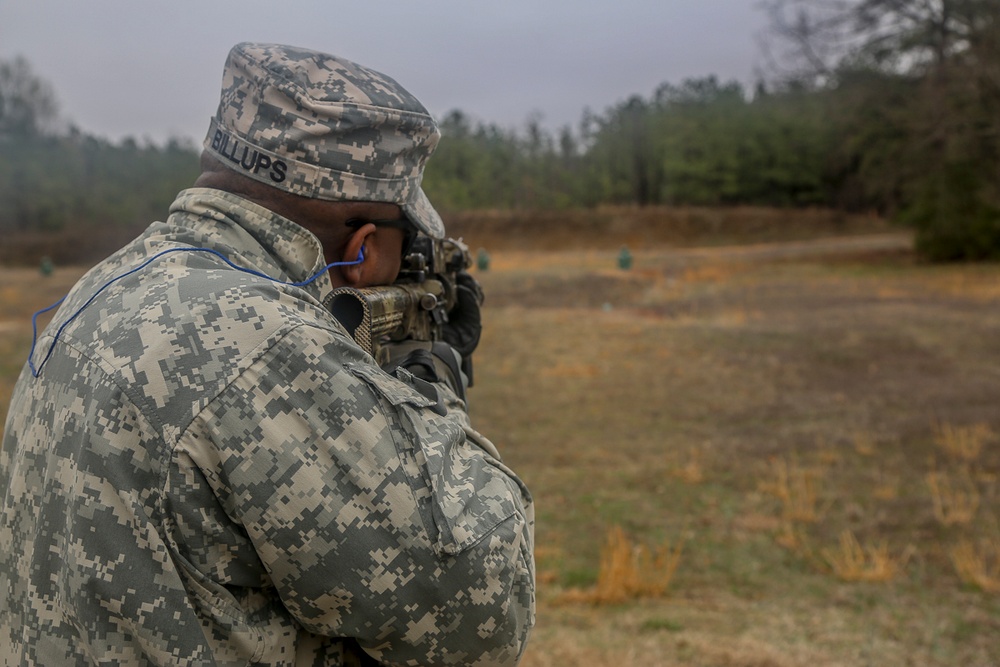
column 200, row 467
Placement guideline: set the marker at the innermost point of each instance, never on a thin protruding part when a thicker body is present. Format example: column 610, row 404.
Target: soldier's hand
column 465, row 325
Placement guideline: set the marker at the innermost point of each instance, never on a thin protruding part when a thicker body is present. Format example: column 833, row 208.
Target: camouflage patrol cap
column 324, row 127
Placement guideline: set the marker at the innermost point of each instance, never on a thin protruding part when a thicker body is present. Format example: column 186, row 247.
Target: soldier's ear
column 357, row 248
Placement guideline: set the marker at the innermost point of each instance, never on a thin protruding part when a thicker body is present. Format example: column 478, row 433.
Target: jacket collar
column 259, row 238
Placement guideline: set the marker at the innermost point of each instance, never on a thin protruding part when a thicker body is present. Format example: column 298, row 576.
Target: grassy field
column 808, row 431
column 815, row 425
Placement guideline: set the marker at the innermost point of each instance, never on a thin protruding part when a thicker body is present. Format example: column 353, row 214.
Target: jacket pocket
column 472, row 498
column 393, row 389
column 470, row 492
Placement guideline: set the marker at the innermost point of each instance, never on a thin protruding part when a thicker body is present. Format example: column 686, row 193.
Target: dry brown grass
column 888, row 486
column 629, row 571
column 864, row 443
column 690, row 470
column 963, row 443
column 727, row 361
column 796, row 487
column 792, row 537
column 610, row 227
column 853, row 562
column 978, row 565
column 954, row 496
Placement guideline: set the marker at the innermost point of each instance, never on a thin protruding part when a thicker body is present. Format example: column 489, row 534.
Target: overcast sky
column 151, row 69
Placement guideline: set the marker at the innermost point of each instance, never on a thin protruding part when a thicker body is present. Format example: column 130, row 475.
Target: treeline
column 50, row 182
column 876, row 105
column 703, row 142
column 75, row 197
column 871, row 105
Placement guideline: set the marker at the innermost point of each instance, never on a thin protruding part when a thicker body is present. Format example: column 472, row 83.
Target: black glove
column 465, row 324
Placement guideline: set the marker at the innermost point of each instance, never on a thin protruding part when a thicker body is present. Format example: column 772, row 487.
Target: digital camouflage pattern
column 208, row 471
column 324, row 127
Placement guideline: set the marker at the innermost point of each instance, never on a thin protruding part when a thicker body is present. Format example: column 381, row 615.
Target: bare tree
column 27, row 103
column 805, row 40
column 913, row 87
column 809, row 41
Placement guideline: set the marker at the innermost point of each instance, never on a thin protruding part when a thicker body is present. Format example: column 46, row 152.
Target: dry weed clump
column 978, row 566
column 792, row 538
column 797, row 488
column 963, row 443
column 852, row 562
column 887, row 487
column 629, row 570
column 864, row 444
column 691, row 471
column 955, row 500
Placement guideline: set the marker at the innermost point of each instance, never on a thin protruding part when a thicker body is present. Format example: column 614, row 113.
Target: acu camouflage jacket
column 208, row 471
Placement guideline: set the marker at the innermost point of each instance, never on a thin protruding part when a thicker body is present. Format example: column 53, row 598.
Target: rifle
column 415, row 307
